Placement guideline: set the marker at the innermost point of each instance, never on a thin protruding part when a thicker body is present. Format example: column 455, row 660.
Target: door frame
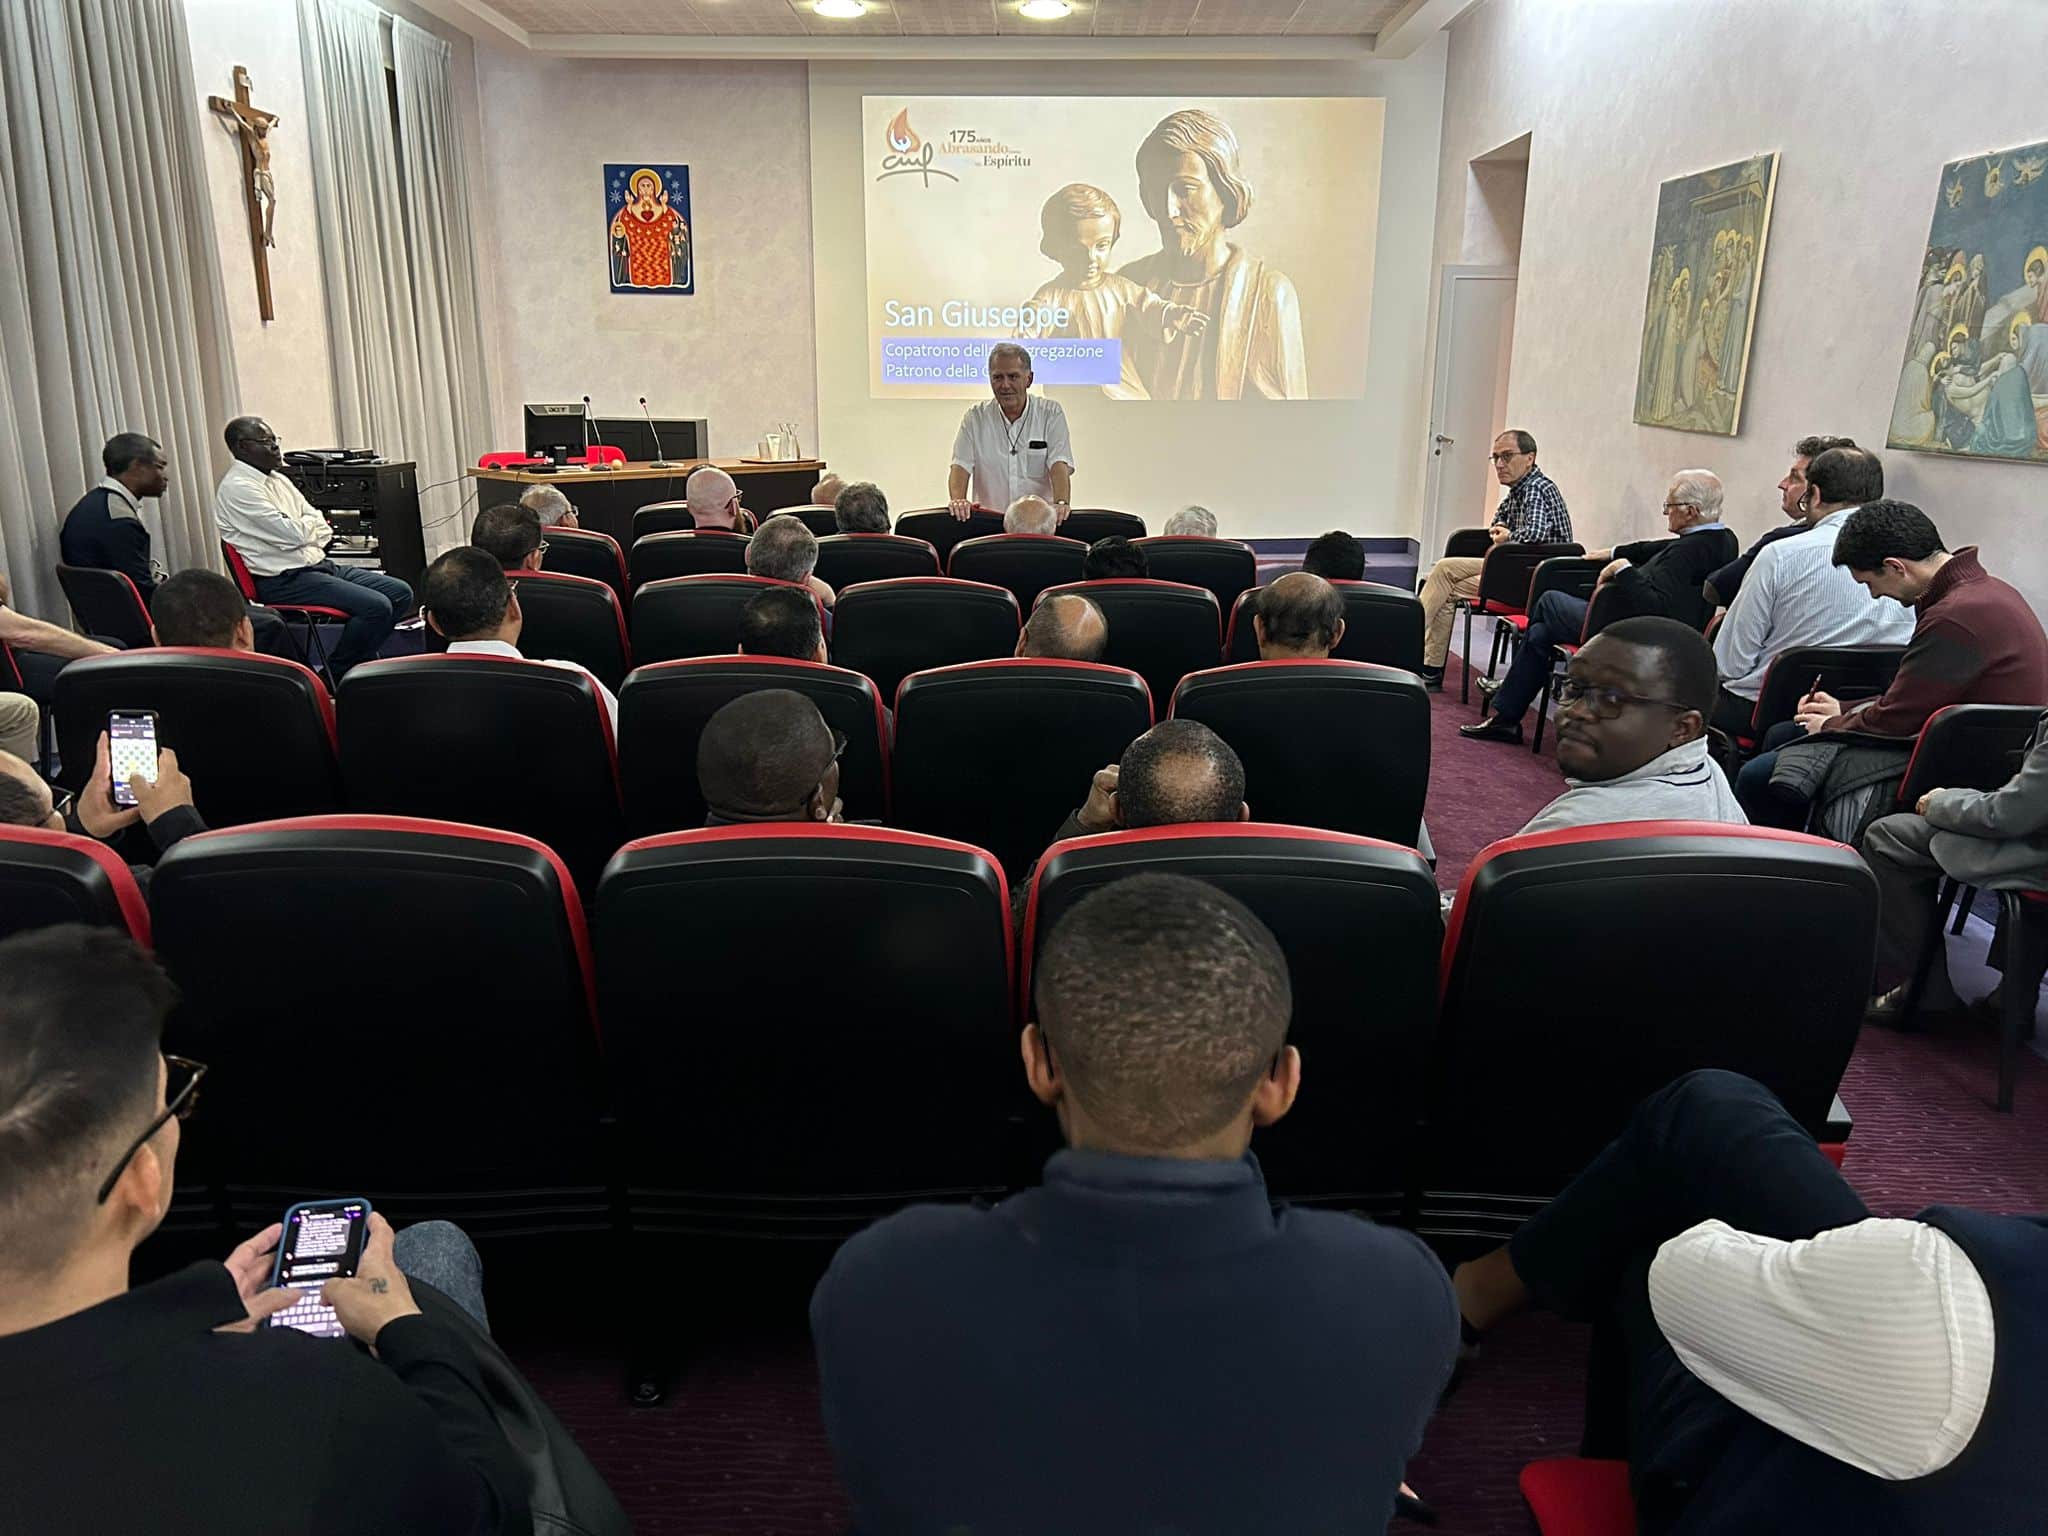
column 1448, row 276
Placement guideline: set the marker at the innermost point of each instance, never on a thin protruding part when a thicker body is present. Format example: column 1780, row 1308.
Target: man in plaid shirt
column 1532, row 512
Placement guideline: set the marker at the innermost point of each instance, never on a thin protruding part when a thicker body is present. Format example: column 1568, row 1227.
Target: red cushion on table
column 1570, row 1496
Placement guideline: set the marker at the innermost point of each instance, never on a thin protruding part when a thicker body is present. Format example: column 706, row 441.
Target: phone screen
column 323, row 1240
column 131, row 749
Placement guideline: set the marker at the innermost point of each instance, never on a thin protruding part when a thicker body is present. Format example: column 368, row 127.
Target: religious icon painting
column 1706, row 269
column 652, row 247
column 1974, row 381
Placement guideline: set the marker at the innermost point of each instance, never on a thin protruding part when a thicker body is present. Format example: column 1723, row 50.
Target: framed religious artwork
column 1706, row 269
column 651, row 245
column 1974, row 381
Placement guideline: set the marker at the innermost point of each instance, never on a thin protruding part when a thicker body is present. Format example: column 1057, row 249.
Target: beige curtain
column 112, row 317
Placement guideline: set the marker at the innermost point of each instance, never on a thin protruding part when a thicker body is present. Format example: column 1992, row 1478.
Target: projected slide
column 1148, row 247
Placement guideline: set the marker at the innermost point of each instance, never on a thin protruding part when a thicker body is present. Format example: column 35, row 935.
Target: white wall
column 738, row 351
column 1865, row 102
column 1268, row 468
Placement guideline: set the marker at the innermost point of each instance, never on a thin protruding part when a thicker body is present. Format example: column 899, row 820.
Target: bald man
column 714, row 503
column 1066, row 627
column 826, row 492
column 1031, row 514
column 1299, row 618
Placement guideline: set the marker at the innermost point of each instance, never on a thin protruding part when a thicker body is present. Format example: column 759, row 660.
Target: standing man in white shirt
column 283, row 541
column 1012, row 445
column 1785, row 1361
column 1795, row 595
column 471, row 605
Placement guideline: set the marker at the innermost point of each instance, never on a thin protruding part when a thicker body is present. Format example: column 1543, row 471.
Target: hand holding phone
column 323, row 1240
column 131, row 752
column 378, row 1294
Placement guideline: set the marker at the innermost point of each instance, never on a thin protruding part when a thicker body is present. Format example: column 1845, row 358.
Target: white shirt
column 986, row 436
column 504, row 648
column 1871, row 1343
column 1794, row 596
column 1684, row 784
column 270, row 524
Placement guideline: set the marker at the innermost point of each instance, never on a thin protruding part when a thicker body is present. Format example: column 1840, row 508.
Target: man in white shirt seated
column 1784, row 1361
column 1632, row 731
column 1796, row 596
column 283, row 541
column 1012, row 444
column 468, row 601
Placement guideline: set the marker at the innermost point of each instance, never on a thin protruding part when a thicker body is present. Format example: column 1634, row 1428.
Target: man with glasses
column 173, row 1405
column 511, row 534
column 283, row 542
column 1532, row 512
column 713, row 498
column 552, row 508
column 1655, row 577
column 767, row 757
column 1632, row 731
column 471, row 605
column 163, row 806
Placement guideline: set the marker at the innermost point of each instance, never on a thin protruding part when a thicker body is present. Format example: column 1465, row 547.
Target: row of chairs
column 996, row 752
column 745, row 997
column 935, row 526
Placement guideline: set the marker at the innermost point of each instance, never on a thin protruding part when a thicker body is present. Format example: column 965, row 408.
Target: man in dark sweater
column 1653, row 579
column 174, row 1407
column 104, row 531
column 1144, row 1343
column 1721, row 586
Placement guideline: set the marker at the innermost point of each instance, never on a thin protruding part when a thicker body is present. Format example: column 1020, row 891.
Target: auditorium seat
column 661, row 555
column 662, row 517
column 821, row 520
column 1358, row 921
column 1161, row 630
column 1336, row 744
column 889, row 629
column 1091, row 523
column 996, row 753
column 1226, row 567
column 392, row 1008
column 1382, row 625
column 693, row 615
column 847, row 558
column 940, row 529
column 1585, row 969
column 599, row 454
column 1505, row 572
column 485, row 739
column 311, row 615
column 255, row 734
column 1026, row 563
column 572, row 618
column 48, row 878
column 805, row 1026
column 586, row 552
column 1968, row 746
column 1851, row 673
column 508, row 458
column 1574, row 1496
column 107, row 604
column 663, row 709
column 1605, row 605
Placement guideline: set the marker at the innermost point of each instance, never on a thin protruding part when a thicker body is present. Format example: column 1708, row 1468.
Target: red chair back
column 507, row 459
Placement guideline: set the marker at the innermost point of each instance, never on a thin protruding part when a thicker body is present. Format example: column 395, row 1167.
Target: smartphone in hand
column 131, row 750
column 323, row 1240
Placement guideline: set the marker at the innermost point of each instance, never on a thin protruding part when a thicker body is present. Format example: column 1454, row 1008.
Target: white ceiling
column 947, row 18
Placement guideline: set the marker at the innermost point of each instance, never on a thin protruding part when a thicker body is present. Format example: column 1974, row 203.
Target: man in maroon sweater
column 1975, row 639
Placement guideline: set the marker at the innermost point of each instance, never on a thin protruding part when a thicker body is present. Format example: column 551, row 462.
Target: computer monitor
column 673, row 438
column 555, row 431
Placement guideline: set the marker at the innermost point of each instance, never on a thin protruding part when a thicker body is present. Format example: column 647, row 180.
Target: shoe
column 1887, row 1012
column 1489, row 686
column 1495, row 729
column 1432, row 678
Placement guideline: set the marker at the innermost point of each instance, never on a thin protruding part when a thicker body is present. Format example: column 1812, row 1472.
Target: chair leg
column 1465, row 661
column 1963, row 908
column 2026, row 957
column 1543, row 710
column 1924, row 962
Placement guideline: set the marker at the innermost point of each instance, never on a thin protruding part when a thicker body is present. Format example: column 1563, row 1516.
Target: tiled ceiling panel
column 950, row 18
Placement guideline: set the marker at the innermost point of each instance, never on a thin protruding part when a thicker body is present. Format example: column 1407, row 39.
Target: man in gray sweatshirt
column 1632, row 731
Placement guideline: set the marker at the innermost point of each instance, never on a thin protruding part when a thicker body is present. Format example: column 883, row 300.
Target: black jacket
column 101, row 532
column 135, row 1416
column 1664, row 575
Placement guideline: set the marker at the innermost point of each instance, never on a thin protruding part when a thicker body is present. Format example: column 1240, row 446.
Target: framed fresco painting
column 652, row 248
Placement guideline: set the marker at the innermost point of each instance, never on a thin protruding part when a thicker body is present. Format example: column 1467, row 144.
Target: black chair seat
column 661, row 555
column 1225, row 566
column 889, row 629
column 847, row 558
column 662, row 517
column 107, row 604
column 585, row 552
column 1089, row 524
column 819, row 519
column 572, row 618
column 1026, row 563
column 940, row 529
column 1161, row 630
column 692, row 615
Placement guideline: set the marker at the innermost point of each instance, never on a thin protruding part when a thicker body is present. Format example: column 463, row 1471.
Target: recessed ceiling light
column 1045, row 10
column 839, row 10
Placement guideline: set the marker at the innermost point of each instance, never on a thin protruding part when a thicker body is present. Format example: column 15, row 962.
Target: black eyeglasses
column 541, row 548
column 61, row 802
column 179, row 1104
column 1605, row 703
column 1502, row 458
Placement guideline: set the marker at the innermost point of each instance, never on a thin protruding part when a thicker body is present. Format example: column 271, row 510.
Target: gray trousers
column 1899, row 851
column 440, row 1253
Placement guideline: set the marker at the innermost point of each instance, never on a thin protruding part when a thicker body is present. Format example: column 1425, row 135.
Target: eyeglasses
column 1503, row 458
column 541, row 548
column 1679, row 506
column 1605, row 703
column 61, row 802
column 179, row 1104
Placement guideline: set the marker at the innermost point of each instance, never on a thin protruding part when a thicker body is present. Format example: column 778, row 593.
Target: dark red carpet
column 737, row 1448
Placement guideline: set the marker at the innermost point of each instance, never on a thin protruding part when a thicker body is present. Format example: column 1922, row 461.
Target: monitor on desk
column 555, row 431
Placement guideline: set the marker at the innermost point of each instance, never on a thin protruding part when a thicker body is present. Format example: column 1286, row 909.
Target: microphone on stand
column 590, row 429
column 660, row 461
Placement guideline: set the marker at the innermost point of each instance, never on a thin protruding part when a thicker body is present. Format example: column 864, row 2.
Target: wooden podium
column 605, row 499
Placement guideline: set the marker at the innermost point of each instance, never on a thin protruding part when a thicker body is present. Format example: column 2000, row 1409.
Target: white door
column 1475, row 335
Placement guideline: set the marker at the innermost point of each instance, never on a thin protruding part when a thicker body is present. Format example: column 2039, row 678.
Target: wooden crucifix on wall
column 252, row 127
